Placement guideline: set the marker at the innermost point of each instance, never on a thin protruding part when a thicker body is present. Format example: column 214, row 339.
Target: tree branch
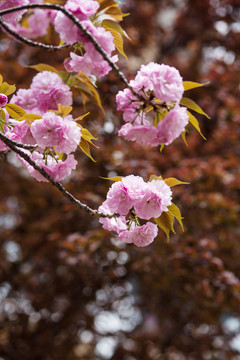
column 30, row 42
column 13, row 145
column 87, row 33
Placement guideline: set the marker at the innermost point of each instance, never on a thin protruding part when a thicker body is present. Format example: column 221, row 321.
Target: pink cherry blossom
column 111, row 224
column 144, row 235
column 136, row 187
column 92, row 62
column 172, row 125
column 26, row 99
column 45, row 81
column 57, row 170
column 125, row 99
column 142, row 134
column 118, row 200
column 46, row 92
column 126, row 235
column 14, row 16
column 82, row 8
column 167, row 83
column 139, row 235
column 16, row 132
column 38, row 22
column 157, row 197
column 53, row 130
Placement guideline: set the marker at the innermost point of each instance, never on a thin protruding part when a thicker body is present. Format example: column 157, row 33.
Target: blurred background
column 70, row 290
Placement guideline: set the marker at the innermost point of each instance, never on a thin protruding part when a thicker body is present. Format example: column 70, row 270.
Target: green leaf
column 173, row 182
column 43, row 67
column 165, row 222
column 162, row 147
column 2, row 115
column 84, row 146
column 104, row 4
column 115, row 178
column 62, row 111
column 155, row 177
column 30, row 117
column 174, row 210
column 183, row 134
column 111, row 24
column 195, row 124
column 86, row 135
column 7, row 89
column 193, row 106
column 188, row 85
column 82, row 82
column 115, row 13
column 79, row 118
column 117, row 38
column 15, row 111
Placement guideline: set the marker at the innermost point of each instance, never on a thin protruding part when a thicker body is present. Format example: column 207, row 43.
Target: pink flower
column 3, row 100
column 146, row 199
column 126, row 235
column 92, row 62
column 49, row 91
column 50, row 100
column 57, row 170
column 157, row 197
column 17, row 132
column 118, row 200
column 26, row 99
column 136, row 187
column 68, row 32
column 62, row 169
column 142, row 134
column 38, row 23
column 46, row 92
column 14, row 16
column 53, row 130
column 172, row 125
column 139, row 235
column 111, row 224
column 82, row 8
column 125, row 99
column 45, row 81
column 167, row 83
column 144, row 235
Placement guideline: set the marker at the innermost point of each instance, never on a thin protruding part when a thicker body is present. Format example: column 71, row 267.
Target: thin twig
column 30, row 42
column 14, row 147
column 87, row 33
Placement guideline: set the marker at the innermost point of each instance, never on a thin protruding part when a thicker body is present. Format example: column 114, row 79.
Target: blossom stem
column 14, row 146
column 78, row 23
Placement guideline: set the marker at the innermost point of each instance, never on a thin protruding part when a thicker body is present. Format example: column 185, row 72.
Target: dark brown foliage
column 68, row 289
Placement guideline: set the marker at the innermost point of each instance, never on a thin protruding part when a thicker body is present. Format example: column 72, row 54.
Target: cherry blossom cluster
column 135, row 201
column 89, row 61
column 46, row 91
column 37, row 23
column 52, row 137
column 160, row 88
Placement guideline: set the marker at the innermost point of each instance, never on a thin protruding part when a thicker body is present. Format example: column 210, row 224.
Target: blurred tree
column 69, row 290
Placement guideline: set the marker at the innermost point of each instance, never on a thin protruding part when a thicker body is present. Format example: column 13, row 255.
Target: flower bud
column 3, row 99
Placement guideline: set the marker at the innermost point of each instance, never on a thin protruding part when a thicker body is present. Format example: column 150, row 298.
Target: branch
column 28, row 41
column 13, row 145
column 78, row 23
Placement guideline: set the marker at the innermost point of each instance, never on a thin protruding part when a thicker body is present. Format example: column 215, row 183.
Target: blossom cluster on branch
column 38, row 119
column 161, row 88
